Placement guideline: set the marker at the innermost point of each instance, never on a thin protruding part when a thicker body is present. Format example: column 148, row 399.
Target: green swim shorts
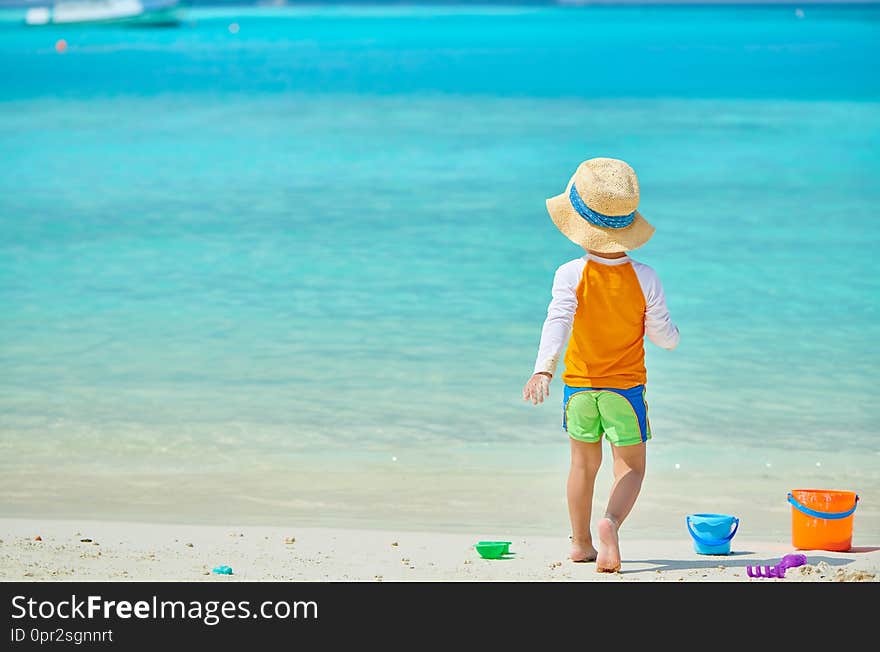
column 620, row 414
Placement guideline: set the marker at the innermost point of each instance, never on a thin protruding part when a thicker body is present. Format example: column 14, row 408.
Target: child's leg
column 629, row 471
column 585, row 461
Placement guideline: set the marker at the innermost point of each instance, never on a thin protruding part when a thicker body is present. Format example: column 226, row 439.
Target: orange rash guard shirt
column 602, row 308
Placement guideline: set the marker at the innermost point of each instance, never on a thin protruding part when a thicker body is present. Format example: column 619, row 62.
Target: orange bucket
column 821, row 519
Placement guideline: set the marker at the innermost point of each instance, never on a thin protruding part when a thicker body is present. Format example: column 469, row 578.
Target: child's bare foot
column 608, row 559
column 582, row 550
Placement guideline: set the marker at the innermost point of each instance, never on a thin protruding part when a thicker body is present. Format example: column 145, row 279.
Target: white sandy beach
column 118, row 551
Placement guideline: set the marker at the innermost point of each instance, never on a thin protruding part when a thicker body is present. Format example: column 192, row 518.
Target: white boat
column 66, row 12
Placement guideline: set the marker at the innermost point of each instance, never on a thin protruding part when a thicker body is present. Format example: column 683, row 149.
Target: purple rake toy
column 789, row 561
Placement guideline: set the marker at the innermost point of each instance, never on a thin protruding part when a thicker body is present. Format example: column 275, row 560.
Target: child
column 603, row 305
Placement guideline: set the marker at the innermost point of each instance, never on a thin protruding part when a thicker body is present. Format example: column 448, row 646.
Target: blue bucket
column 712, row 532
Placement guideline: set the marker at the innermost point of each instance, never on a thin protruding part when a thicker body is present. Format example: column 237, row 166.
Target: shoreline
column 73, row 550
column 405, row 496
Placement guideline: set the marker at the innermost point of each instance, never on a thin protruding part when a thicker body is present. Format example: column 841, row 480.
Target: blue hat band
column 598, row 219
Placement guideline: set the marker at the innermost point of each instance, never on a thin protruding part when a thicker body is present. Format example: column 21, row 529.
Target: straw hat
column 598, row 208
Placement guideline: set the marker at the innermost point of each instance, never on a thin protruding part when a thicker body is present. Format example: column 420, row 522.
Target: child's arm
column 560, row 315
column 555, row 332
column 658, row 324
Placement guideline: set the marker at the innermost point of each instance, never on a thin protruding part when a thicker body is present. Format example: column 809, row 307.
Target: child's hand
column 537, row 388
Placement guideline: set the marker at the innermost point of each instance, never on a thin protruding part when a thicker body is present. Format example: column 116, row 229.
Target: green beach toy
column 492, row 549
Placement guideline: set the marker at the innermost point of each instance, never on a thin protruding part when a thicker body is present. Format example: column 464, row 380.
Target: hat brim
column 605, row 241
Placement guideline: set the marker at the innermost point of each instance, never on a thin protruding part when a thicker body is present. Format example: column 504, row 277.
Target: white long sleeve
column 658, row 324
column 560, row 315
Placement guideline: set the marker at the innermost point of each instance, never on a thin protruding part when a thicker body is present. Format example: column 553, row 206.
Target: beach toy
column 222, row 570
column 777, row 570
column 821, row 519
column 712, row 532
column 492, row 549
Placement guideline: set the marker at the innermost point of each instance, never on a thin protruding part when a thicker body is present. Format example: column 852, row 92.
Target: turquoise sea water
column 300, row 270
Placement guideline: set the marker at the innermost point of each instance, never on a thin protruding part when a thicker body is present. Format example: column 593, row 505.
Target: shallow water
column 300, row 271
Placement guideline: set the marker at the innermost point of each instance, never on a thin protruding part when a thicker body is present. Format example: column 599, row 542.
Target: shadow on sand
column 731, row 561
